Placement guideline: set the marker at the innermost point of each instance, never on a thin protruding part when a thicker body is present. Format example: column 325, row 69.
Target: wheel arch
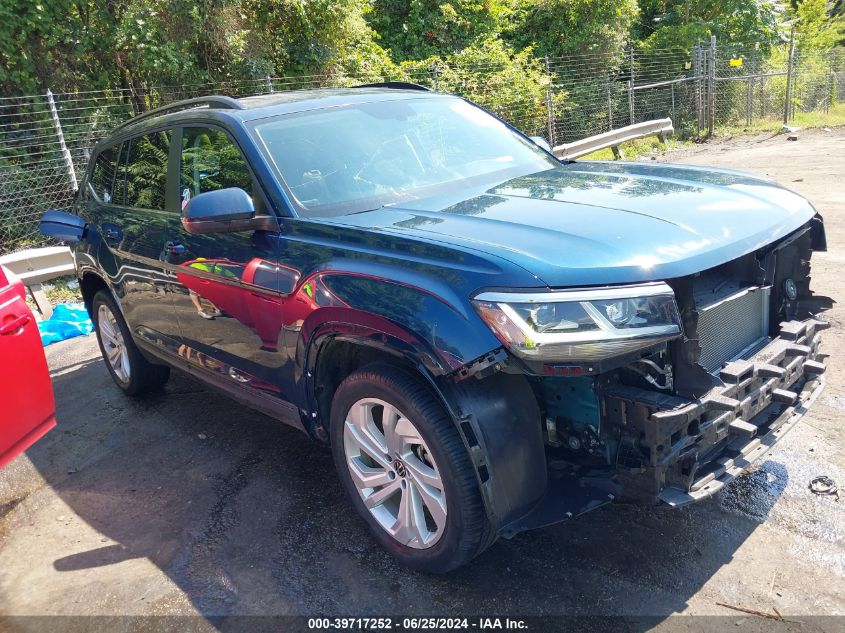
column 90, row 283
column 336, row 349
column 497, row 417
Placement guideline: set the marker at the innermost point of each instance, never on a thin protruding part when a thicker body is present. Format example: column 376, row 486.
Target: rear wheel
column 406, row 470
column 130, row 370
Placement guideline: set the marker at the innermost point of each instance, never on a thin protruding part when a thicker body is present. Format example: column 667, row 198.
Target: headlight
column 581, row 325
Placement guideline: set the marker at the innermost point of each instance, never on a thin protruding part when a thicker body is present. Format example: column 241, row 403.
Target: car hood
column 589, row 223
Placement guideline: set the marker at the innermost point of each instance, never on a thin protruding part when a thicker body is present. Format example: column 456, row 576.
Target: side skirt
column 222, row 380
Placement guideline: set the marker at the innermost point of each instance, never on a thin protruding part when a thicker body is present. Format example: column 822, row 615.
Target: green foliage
column 681, row 23
column 96, row 44
column 565, row 27
column 512, row 85
column 314, row 36
column 418, row 29
column 37, row 41
column 72, row 45
column 817, row 29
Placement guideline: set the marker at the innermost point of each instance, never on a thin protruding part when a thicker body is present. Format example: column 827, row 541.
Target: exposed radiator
column 727, row 325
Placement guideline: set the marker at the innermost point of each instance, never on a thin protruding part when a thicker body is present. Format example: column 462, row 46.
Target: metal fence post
column 631, row 90
column 68, row 160
column 674, row 118
column 436, row 72
column 788, row 98
column 550, row 106
column 828, row 83
column 609, row 109
column 748, row 91
column 696, row 72
column 711, row 86
column 269, row 83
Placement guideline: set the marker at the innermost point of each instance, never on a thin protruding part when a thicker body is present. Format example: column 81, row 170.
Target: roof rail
column 213, row 101
column 396, row 85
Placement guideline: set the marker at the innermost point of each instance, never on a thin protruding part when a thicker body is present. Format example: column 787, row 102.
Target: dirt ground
column 186, row 503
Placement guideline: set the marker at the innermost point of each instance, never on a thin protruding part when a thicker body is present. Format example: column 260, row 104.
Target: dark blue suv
column 489, row 338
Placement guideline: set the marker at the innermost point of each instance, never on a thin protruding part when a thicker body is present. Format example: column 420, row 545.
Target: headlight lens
column 581, row 325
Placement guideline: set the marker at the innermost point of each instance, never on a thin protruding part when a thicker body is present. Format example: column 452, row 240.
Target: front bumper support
column 682, row 451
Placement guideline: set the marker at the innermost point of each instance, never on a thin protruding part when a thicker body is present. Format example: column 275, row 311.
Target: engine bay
column 674, row 408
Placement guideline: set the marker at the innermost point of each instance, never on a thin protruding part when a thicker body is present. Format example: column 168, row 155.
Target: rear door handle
column 15, row 325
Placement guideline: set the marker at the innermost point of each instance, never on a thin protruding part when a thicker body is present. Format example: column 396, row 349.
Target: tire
column 133, row 373
column 382, row 397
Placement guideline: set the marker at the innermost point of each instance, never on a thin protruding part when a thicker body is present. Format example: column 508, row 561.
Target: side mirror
column 62, row 226
column 218, row 211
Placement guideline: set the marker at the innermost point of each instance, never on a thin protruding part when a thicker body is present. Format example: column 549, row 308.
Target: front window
column 354, row 158
column 146, row 171
column 102, row 176
column 211, row 161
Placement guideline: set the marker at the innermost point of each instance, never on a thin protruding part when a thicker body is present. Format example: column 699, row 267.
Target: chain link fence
column 45, row 140
column 751, row 86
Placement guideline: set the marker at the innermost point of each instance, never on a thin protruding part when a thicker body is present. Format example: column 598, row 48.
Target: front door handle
column 175, row 247
column 15, row 325
column 111, row 232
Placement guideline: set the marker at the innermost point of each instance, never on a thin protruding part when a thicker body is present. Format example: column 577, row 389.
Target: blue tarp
column 68, row 320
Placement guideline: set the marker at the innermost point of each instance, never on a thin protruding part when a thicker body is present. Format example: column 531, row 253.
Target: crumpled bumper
column 683, row 451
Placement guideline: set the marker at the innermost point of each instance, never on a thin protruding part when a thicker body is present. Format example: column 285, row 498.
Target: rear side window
column 102, row 176
column 211, row 161
column 146, row 170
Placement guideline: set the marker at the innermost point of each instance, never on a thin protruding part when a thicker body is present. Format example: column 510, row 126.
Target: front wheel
column 406, row 470
column 130, row 370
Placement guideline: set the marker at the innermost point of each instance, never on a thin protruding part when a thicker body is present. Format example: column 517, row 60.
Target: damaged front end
column 682, row 450
column 746, row 368
column 651, row 412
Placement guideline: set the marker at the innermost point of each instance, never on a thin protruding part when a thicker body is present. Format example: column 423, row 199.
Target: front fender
column 365, row 329
column 452, row 333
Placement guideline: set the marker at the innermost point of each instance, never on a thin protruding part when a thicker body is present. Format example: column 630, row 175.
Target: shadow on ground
column 246, row 516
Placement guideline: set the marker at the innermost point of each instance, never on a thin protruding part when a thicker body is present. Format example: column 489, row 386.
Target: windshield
column 359, row 157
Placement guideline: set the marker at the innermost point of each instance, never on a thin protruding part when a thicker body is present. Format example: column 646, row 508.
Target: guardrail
column 613, row 139
column 36, row 265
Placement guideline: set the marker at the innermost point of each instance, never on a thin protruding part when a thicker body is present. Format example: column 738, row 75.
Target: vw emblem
column 399, row 467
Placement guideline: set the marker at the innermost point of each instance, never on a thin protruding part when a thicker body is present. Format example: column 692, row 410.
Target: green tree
column 417, row 29
column 93, row 44
column 817, row 28
column 510, row 84
column 681, row 23
column 315, row 36
column 566, row 27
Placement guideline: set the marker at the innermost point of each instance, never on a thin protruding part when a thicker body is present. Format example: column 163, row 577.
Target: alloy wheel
column 395, row 473
column 114, row 346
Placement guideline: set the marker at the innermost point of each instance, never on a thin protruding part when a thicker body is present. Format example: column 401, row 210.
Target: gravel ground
column 185, row 503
